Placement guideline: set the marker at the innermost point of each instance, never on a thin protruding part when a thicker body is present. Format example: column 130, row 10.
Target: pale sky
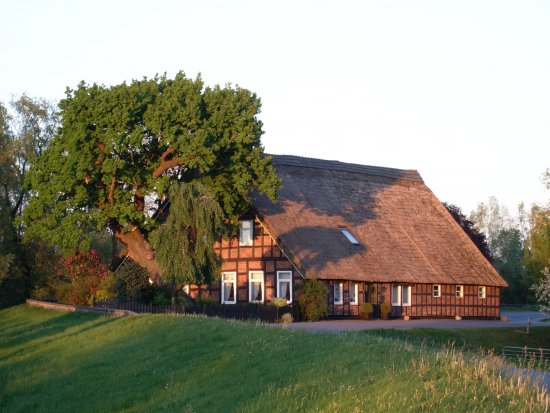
column 459, row 90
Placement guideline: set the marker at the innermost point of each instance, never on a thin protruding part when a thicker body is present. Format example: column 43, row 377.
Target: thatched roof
column 405, row 234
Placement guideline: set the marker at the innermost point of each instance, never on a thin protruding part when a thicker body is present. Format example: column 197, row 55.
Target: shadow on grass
column 25, row 332
column 170, row 363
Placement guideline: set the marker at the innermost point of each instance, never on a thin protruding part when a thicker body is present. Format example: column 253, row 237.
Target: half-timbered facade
column 371, row 234
column 254, row 268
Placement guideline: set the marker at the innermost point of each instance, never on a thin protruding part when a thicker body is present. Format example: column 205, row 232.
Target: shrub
column 44, row 293
column 312, row 299
column 366, row 308
column 279, row 302
column 132, row 283
column 79, row 278
column 385, row 308
column 161, row 298
column 286, row 318
column 107, row 288
column 205, row 301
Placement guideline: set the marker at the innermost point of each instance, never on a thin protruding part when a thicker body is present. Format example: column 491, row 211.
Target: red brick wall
column 264, row 255
column 423, row 303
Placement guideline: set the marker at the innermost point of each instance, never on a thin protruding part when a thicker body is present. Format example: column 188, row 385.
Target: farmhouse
column 372, row 234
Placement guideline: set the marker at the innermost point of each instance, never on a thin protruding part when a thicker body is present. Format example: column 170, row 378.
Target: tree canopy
column 120, row 147
column 24, row 134
column 184, row 244
column 477, row 237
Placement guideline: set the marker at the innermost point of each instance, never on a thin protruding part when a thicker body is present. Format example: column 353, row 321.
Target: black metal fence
column 263, row 312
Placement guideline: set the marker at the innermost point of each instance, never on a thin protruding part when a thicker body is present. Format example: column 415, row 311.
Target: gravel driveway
column 517, row 319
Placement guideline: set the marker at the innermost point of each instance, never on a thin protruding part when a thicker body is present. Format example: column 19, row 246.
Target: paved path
column 516, row 319
column 541, row 378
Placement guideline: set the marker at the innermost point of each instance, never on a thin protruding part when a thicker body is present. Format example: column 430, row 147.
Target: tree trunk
column 140, row 251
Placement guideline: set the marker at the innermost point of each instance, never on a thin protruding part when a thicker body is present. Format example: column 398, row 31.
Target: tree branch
column 112, row 192
column 17, row 205
column 167, row 153
column 166, row 163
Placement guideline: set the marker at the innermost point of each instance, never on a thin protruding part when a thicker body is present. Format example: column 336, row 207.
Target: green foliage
column 205, row 301
column 12, row 281
column 312, row 298
column 191, row 364
column 366, row 308
column 508, row 261
column 385, row 308
column 43, row 263
column 491, row 218
column 132, row 282
column 509, row 243
column 477, row 237
column 23, row 137
column 161, row 298
column 120, row 147
column 537, row 251
column 6, row 262
column 184, row 244
column 107, row 288
column 107, row 246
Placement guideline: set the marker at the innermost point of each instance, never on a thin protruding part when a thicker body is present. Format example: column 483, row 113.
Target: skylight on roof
column 350, row 237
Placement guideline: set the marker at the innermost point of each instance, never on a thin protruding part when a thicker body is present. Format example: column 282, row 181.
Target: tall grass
column 72, row 362
column 489, row 340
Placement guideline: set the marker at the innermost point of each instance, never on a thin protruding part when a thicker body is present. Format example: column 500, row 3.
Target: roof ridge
column 315, row 163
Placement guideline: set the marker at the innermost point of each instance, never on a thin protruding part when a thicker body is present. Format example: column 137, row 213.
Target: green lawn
column 491, row 339
column 525, row 307
column 64, row 362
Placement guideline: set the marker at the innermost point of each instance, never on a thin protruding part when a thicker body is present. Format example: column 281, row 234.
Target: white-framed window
column 395, row 295
column 354, row 293
column 406, row 295
column 481, row 292
column 459, row 292
column 339, row 293
column 246, row 229
column 256, row 287
column 284, row 285
column 436, row 290
column 229, row 288
column 401, row 295
column 350, row 237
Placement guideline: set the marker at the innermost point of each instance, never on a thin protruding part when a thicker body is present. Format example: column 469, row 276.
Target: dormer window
column 350, row 237
column 245, row 233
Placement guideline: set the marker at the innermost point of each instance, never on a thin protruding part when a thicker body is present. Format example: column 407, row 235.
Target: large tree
column 184, row 243
column 477, row 237
column 120, row 147
column 537, row 254
column 490, row 219
column 24, row 134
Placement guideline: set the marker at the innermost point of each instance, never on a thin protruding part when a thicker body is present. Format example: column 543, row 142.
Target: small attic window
column 350, row 237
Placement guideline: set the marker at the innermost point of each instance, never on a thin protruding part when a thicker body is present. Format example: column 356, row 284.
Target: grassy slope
column 492, row 339
column 61, row 362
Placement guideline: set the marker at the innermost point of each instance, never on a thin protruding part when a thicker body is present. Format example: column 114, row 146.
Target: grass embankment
column 519, row 307
column 64, row 362
column 490, row 339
